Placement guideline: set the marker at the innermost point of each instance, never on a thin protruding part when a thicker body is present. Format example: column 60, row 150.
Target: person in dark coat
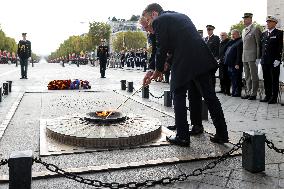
column 176, row 33
column 271, row 52
column 103, row 54
column 24, row 53
column 225, row 81
column 212, row 42
column 233, row 60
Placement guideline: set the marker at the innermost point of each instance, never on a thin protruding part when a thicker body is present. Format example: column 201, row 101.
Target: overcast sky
column 49, row 22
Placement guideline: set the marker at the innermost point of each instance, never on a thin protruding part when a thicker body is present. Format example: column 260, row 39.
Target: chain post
column 123, row 85
column 130, row 86
column 145, row 92
column 168, row 101
column 5, row 88
column 20, row 170
column 253, row 151
column 0, row 94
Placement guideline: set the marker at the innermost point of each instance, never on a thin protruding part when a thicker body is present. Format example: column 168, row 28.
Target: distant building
column 276, row 8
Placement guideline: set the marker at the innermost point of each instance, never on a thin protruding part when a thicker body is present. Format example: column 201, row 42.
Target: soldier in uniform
column 103, row 54
column 271, row 52
column 24, row 53
column 212, row 42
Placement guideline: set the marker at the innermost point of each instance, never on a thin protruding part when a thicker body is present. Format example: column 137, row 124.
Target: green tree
column 98, row 31
column 114, row 19
column 129, row 40
column 240, row 26
column 134, row 18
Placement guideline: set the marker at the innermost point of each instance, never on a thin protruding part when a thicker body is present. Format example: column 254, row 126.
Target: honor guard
column 24, row 53
column 213, row 42
column 271, row 52
column 103, row 54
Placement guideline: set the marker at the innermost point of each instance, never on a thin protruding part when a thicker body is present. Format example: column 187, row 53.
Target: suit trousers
column 271, row 80
column 251, row 77
column 197, row 88
column 24, row 67
column 103, row 67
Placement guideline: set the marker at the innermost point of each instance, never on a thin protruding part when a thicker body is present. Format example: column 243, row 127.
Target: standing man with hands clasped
column 251, row 56
column 177, row 34
column 24, row 53
column 271, row 52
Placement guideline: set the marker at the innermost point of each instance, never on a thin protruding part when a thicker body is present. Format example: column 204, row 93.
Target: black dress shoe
column 245, row 97
column 172, row 128
column 236, row 95
column 22, row 78
column 178, row 141
column 219, row 140
column 272, row 101
column 252, row 98
column 266, row 99
column 196, row 130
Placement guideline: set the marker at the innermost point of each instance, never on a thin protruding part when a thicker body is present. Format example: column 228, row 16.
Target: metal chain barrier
column 3, row 162
column 272, row 146
column 157, row 97
column 147, row 183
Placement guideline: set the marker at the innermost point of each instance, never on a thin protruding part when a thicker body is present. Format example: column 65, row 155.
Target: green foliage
column 114, row 19
column 129, row 40
column 83, row 43
column 240, row 26
column 98, row 31
column 134, row 18
column 7, row 43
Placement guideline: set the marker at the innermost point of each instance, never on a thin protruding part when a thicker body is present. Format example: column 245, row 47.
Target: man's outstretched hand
column 151, row 76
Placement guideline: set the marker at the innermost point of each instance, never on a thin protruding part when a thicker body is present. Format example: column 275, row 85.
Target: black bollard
column 77, row 63
column 0, row 94
column 6, row 88
column 130, row 86
column 168, row 99
column 253, row 151
column 10, row 86
column 145, row 92
column 204, row 110
column 32, row 63
column 63, row 64
column 123, row 84
column 20, row 170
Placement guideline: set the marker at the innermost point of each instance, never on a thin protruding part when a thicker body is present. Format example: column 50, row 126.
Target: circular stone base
column 135, row 130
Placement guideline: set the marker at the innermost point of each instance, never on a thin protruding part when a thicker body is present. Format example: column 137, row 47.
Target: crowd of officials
column 7, row 57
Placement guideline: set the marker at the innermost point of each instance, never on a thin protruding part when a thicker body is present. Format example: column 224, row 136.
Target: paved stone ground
column 241, row 115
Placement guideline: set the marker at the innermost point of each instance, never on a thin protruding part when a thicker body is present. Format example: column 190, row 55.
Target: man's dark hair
column 153, row 7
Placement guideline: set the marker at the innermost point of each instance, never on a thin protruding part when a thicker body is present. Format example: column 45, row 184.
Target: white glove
column 30, row 59
column 276, row 63
column 257, row 61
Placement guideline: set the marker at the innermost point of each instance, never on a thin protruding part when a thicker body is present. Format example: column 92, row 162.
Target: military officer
column 271, row 52
column 24, row 53
column 103, row 54
column 212, row 42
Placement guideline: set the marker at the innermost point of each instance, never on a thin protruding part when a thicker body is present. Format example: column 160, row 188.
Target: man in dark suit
column 189, row 71
column 225, row 82
column 103, row 54
column 233, row 60
column 212, row 42
column 271, row 52
column 24, row 53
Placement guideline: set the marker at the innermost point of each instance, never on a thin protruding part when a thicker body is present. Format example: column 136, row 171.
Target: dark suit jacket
column 233, row 55
column 271, row 46
column 24, row 49
column 222, row 49
column 102, row 53
column 176, row 33
column 213, row 44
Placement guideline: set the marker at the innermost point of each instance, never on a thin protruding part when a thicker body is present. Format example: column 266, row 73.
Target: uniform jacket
column 102, row 53
column 213, row 44
column 24, row 49
column 176, row 33
column 251, row 44
column 271, row 46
